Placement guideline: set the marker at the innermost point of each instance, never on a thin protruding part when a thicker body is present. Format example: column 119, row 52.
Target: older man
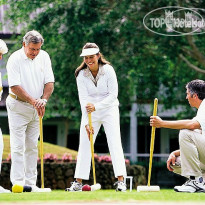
column 31, row 83
column 3, row 50
column 189, row 160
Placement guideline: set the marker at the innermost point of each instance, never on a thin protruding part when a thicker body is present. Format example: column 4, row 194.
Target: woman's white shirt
column 101, row 91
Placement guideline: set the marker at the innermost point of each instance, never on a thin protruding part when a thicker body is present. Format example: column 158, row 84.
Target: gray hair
column 33, row 37
column 197, row 86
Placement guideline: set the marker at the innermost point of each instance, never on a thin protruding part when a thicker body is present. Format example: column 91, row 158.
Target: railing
column 145, row 156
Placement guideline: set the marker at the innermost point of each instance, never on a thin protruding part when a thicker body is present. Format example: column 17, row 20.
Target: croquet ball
column 86, row 187
column 27, row 189
column 17, row 188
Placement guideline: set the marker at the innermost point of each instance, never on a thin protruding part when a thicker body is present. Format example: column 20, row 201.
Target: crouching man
column 189, row 160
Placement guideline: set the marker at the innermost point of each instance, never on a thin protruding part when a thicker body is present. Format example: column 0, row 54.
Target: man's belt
column 1, row 89
column 16, row 97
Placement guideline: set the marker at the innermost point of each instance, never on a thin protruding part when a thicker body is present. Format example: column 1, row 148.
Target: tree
column 146, row 64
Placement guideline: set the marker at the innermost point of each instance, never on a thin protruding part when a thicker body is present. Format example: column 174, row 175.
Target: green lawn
column 104, row 195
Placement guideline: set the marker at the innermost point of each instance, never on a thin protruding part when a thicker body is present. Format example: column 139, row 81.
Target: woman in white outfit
column 3, row 50
column 98, row 91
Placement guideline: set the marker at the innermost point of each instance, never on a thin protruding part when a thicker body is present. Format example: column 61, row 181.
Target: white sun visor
column 89, row 51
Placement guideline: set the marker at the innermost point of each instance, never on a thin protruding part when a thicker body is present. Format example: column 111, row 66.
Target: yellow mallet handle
column 41, row 151
column 152, row 142
column 92, row 146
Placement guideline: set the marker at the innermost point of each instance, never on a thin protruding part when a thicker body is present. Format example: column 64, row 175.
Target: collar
column 23, row 53
column 25, row 56
column 202, row 103
column 88, row 73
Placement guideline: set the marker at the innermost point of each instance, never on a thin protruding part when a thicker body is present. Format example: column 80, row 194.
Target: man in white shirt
column 189, row 160
column 31, row 83
column 3, row 50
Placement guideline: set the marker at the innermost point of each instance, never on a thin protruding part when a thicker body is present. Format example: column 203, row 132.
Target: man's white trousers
column 109, row 118
column 192, row 154
column 24, row 133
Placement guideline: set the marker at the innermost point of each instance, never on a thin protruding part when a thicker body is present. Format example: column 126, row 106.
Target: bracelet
column 45, row 100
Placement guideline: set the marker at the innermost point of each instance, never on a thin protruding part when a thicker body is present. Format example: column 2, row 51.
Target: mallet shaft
column 41, row 151
column 92, row 146
column 152, row 142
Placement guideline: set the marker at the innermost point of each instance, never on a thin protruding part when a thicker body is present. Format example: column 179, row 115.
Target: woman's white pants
column 109, row 118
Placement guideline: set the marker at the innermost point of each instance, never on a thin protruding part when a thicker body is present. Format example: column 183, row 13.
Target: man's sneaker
column 120, row 186
column 75, row 186
column 2, row 190
column 191, row 186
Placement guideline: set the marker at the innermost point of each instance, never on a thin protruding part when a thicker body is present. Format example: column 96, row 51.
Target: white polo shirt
column 103, row 93
column 31, row 75
column 200, row 116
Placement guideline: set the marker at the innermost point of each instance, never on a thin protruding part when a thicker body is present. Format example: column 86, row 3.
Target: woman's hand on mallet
column 88, row 130
column 90, row 108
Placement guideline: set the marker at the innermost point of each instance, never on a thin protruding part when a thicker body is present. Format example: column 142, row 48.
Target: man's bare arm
column 21, row 93
column 156, row 121
column 48, row 90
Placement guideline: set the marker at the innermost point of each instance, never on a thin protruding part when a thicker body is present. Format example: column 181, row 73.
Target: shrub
column 67, row 157
column 105, row 158
column 49, row 157
column 127, row 161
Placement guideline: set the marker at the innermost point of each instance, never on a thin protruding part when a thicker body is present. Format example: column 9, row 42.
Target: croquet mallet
column 95, row 186
column 41, row 155
column 149, row 188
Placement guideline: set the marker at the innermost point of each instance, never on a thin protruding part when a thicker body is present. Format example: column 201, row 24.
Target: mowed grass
column 166, row 195
column 47, row 147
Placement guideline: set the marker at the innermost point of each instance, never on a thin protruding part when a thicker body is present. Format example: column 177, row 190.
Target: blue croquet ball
column 27, row 189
